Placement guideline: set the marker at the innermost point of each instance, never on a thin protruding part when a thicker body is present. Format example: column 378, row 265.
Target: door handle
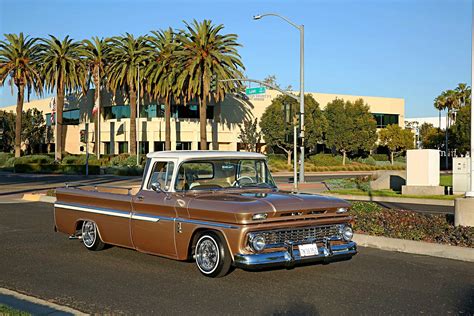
column 140, row 197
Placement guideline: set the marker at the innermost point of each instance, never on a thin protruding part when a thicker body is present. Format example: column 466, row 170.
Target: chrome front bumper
column 291, row 256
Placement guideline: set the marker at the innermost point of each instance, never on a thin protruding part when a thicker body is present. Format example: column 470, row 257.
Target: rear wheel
column 90, row 236
column 212, row 256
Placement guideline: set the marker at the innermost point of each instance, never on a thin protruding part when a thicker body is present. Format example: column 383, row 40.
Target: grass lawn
column 6, row 310
column 391, row 193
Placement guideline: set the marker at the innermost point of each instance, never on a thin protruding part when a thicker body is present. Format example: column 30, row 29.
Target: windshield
column 223, row 173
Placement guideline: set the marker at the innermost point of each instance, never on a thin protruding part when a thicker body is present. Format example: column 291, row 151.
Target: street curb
column 416, row 247
column 38, row 303
column 392, row 199
column 39, row 198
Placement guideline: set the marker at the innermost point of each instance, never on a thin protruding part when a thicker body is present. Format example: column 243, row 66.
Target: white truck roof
column 204, row 154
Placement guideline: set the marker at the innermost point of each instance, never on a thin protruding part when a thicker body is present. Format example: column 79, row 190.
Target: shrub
column 124, row 170
column 368, row 161
column 80, row 160
column 123, row 160
column 380, row 157
column 4, row 158
column 326, row 160
column 374, row 220
column 54, row 168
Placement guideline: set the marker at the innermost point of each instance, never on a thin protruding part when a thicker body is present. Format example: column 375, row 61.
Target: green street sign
column 251, row 91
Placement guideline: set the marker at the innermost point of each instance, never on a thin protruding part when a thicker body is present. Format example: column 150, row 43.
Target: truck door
column 153, row 214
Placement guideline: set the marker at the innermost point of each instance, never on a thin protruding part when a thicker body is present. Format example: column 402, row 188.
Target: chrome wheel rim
column 89, row 234
column 207, row 254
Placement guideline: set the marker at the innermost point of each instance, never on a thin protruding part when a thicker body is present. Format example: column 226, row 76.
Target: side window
column 162, row 173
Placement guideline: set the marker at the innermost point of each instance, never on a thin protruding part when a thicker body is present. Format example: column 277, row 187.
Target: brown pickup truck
column 221, row 209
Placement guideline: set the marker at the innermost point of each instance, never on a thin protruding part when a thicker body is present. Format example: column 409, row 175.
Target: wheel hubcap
column 88, row 234
column 207, row 255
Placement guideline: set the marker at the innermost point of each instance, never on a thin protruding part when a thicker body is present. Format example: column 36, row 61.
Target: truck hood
column 239, row 207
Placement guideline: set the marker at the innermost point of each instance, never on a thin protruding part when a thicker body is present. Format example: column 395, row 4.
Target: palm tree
column 128, row 55
column 96, row 54
column 440, row 104
column 206, row 56
column 63, row 69
column 464, row 94
column 162, row 73
column 19, row 62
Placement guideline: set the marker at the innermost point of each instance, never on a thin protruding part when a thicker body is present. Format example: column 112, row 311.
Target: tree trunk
column 59, row 120
column 343, row 157
column 203, row 122
column 168, row 125
column 391, row 157
column 97, row 118
column 133, row 122
column 288, row 155
column 19, row 112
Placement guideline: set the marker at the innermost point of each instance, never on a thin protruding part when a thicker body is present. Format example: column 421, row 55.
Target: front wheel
column 90, row 236
column 212, row 256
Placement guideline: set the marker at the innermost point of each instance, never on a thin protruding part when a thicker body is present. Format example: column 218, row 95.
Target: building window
column 107, row 148
column 190, row 111
column 208, row 145
column 116, row 112
column 152, row 110
column 385, row 119
column 143, row 148
column 159, row 146
column 183, row 146
column 48, row 120
column 123, row 147
column 71, row 117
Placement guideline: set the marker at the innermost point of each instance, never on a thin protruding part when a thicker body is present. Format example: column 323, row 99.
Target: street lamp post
column 470, row 193
column 301, row 121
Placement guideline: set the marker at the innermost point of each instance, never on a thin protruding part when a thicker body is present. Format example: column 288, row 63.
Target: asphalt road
column 34, row 260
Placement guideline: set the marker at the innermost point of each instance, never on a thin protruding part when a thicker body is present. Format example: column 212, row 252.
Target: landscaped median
column 412, row 232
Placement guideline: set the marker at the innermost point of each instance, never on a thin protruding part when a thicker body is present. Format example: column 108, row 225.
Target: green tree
column 351, row 127
column 128, row 56
column 162, row 73
column 33, row 130
column 461, row 131
column 19, row 62
column 275, row 129
column 96, row 53
column 396, row 139
column 249, row 135
column 206, row 57
column 7, row 131
column 315, row 122
column 63, row 70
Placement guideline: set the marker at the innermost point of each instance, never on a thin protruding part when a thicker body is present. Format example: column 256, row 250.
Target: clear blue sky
column 395, row 48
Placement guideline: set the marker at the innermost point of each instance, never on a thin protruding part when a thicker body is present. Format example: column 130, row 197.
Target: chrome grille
column 300, row 235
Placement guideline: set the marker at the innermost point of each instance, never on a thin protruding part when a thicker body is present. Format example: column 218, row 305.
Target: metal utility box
column 461, row 174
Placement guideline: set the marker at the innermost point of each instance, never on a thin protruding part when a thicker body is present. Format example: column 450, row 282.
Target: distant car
column 221, row 209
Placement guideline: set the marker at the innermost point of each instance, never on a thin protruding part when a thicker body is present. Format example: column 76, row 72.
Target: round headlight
column 347, row 233
column 257, row 242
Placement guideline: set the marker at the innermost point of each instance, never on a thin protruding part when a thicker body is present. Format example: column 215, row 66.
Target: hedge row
column 372, row 219
column 54, row 168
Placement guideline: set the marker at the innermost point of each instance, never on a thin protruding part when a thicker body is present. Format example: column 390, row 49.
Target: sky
column 411, row 49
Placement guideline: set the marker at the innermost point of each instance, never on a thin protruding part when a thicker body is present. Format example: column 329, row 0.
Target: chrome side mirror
column 156, row 186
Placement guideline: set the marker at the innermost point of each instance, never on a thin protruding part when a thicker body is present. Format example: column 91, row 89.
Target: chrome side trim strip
column 142, row 217
column 97, row 210
column 146, row 218
column 193, row 221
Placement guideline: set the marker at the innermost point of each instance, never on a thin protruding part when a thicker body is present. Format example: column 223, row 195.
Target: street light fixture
column 301, row 121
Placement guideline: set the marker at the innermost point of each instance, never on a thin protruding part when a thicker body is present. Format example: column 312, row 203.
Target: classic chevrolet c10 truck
column 221, row 209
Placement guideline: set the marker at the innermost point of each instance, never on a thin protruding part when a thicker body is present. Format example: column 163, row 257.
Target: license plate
column 308, row 250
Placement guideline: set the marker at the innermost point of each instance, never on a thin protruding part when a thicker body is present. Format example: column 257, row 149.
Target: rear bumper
column 291, row 257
